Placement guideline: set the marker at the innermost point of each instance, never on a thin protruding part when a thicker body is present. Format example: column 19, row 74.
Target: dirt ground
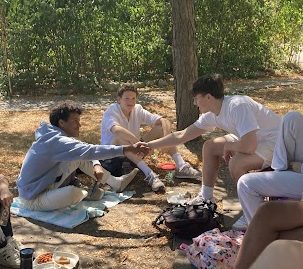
column 124, row 237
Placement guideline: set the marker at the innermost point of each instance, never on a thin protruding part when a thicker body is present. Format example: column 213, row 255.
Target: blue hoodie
column 52, row 146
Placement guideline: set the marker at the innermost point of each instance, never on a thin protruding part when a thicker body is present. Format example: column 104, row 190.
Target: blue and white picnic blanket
column 73, row 216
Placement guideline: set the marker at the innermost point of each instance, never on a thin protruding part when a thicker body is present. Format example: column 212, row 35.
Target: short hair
column 212, row 84
column 62, row 111
column 127, row 88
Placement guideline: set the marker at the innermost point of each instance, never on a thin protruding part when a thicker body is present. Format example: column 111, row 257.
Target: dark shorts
column 118, row 166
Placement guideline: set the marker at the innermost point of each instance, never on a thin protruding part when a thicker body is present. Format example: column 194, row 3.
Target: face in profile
column 127, row 101
column 72, row 125
column 202, row 102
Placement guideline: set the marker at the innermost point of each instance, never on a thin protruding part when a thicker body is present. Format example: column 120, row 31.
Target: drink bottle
column 26, row 257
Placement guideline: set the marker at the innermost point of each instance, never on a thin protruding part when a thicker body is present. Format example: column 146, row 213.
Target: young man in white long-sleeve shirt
column 121, row 124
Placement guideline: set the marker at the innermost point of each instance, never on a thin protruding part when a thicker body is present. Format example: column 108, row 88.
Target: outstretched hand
column 140, row 148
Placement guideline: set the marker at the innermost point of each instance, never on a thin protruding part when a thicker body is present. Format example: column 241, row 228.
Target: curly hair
column 62, row 111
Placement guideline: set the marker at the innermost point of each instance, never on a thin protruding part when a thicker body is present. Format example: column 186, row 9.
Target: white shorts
column 265, row 149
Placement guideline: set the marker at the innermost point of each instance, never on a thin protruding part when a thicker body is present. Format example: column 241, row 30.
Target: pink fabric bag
column 214, row 249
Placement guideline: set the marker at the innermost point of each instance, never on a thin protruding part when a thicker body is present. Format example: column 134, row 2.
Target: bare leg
column 212, row 152
column 156, row 132
column 280, row 254
column 124, row 140
column 273, row 220
column 241, row 163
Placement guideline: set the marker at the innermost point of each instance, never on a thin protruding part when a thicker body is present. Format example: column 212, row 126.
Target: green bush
column 76, row 44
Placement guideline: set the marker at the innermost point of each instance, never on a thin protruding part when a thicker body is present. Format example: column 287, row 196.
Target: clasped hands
column 140, row 148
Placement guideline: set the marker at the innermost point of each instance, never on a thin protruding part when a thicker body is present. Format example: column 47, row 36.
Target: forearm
column 173, row 139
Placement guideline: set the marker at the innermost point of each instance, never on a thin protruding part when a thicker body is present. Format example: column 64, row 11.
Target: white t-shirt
column 240, row 115
column 114, row 116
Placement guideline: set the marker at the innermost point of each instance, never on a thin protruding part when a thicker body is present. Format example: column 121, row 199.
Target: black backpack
column 189, row 221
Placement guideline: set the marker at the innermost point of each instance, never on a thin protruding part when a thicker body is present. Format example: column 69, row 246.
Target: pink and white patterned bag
column 214, row 249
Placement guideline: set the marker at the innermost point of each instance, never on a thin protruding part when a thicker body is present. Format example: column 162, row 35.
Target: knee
column 158, row 131
column 117, row 140
column 242, row 184
column 292, row 118
column 208, row 147
column 292, row 115
column 265, row 210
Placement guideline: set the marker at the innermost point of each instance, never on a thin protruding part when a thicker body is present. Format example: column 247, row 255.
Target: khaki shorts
column 265, row 149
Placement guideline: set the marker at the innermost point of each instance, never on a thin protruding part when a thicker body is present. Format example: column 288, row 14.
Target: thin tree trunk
column 184, row 61
column 5, row 48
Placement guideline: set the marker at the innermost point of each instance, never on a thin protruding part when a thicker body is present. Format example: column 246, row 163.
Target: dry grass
column 123, row 238
column 281, row 99
column 17, row 128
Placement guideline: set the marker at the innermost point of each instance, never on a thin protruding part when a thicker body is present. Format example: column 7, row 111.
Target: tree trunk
column 184, row 60
column 3, row 27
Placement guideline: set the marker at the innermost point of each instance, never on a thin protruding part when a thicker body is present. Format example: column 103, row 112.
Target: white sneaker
column 155, row 183
column 118, row 184
column 188, row 171
column 10, row 256
column 240, row 224
column 199, row 200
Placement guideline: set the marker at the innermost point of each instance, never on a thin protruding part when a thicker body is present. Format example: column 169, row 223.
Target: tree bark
column 3, row 27
column 184, row 61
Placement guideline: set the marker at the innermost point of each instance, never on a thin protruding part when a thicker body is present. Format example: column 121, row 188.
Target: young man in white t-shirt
column 121, row 126
column 252, row 132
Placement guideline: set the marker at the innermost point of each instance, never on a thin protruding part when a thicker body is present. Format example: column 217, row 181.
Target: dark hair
column 127, row 88
column 212, row 84
column 62, row 110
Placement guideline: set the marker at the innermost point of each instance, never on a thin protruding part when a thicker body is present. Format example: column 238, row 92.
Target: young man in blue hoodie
column 47, row 176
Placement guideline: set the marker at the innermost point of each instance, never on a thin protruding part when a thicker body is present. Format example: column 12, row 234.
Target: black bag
column 188, row 221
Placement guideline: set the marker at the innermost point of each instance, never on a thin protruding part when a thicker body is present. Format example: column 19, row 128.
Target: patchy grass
column 280, row 99
column 124, row 237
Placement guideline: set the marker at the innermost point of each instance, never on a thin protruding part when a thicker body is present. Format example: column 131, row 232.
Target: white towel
column 73, row 216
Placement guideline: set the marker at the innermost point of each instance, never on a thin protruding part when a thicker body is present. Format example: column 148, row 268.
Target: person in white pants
column 287, row 178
